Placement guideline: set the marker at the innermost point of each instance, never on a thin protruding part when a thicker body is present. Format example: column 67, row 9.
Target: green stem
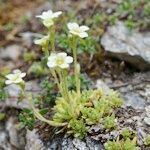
column 51, row 123
column 77, row 77
column 55, row 77
column 52, row 38
column 57, row 82
column 40, row 117
column 65, row 84
column 62, row 84
column 45, row 49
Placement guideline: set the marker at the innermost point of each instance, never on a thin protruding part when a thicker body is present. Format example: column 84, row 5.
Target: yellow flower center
column 16, row 77
column 60, row 61
column 77, row 30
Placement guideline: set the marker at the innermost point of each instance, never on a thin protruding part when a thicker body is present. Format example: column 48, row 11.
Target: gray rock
column 28, row 38
column 147, row 108
column 33, row 86
column 10, row 127
column 33, row 141
column 134, row 90
column 147, row 118
column 11, row 52
column 9, row 64
column 110, row 5
column 102, row 85
column 93, row 145
column 15, row 139
column 130, row 97
column 134, row 100
column 133, row 47
column 79, row 144
column 145, row 92
column 4, row 143
column 13, row 90
column 11, row 136
column 67, row 144
column 12, row 100
column 141, row 136
column 13, row 95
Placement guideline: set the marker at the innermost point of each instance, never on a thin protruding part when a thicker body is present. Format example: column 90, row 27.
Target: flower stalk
column 76, row 70
column 52, row 38
column 45, row 50
column 65, row 84
column 40, row 117
column 77, row 31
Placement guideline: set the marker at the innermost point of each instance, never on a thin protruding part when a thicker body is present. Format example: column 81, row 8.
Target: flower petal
column 62, row 54
column 10, row 76
column 48, row 15
column 63, row 66
column 49, row 12
column 83, row 34
column 56, row 14
column 45, row 14
column 51, row 64
column 69, row 59
column 39, row 16
column 53, row 54
column 41, row 41
column 19, row 80
column 8, row 82
column 37, row 41
column 84, row 28
column 15, row 77
column 72, row 25
column 22, row 74
column 52, row 57
column 48, row 22
column 16, row 71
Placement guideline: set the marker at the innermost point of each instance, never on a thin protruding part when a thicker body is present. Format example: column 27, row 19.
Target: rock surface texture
column 14, row 91
column 33, row 142
column 11, row 137
column 11, row 52
column 130, row 46
column 67, row 143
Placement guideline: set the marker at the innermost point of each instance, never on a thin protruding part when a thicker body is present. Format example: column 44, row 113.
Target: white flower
column 48, row 17
column 15, row 77
column 59, row 60
column 43, row 41
column 75, row 29
column 48, row 22
column 49, row 14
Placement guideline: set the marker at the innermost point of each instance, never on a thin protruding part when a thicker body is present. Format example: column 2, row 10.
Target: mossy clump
column 147, row 141
column 124, row 144
column 92, row 107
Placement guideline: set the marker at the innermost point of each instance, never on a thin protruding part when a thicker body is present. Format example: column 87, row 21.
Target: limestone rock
column 11, row 52
column 33, row 141
column 130, row 46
